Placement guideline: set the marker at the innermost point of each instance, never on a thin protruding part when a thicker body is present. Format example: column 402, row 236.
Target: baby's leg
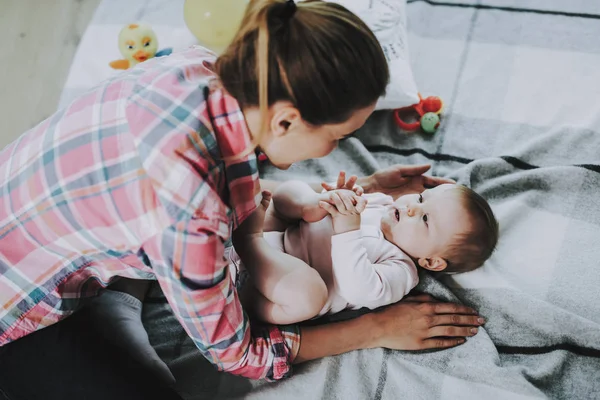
column 257, row 305
column 290, row 290
column 275, row 222
column 281, row 290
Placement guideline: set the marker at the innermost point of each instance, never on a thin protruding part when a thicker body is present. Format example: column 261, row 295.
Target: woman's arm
column 396, row 180
column 415, row 323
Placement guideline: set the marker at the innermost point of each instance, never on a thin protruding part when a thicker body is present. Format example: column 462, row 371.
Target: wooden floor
column 39, row 39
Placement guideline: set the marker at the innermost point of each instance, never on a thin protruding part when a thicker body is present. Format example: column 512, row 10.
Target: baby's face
column 423, row 225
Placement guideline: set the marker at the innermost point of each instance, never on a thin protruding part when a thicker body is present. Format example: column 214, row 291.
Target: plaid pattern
column 130, row 180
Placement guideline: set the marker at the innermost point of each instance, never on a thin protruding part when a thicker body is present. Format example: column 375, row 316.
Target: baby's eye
column 425, row 218
column 130, row 47
column 146, row 44
column 420, row 198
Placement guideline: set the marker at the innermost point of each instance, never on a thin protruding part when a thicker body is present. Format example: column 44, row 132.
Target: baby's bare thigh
column 275, row 240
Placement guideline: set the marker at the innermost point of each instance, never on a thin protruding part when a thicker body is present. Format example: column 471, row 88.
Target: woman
column 145, row 177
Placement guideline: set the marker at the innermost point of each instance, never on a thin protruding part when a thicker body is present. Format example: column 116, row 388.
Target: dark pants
column 70, row 361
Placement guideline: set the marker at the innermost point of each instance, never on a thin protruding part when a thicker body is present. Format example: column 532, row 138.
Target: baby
column 310, row 254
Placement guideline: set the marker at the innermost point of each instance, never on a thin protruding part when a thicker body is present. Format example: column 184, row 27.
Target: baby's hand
column 345, row 207
column 341, row 183
column 342, row 199
column 343, row 202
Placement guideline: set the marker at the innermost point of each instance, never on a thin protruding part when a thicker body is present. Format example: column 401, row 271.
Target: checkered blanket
column 521, row 83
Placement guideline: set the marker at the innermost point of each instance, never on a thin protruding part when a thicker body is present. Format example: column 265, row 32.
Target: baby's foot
column 253, row 225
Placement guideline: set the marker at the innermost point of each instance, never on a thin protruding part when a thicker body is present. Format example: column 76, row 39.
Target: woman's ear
column 433, row 264
column 284, row 117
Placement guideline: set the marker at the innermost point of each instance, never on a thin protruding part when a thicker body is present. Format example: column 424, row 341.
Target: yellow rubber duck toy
column 137, row 43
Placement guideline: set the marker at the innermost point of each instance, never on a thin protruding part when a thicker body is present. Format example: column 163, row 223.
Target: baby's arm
column 367, row 284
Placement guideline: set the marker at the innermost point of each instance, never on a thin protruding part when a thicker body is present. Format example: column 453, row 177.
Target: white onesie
column 360, row 268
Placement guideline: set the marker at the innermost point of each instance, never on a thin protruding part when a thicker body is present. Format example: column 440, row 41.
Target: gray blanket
column 521, row 82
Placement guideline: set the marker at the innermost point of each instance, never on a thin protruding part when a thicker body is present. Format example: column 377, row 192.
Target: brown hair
column 317, row 55
column 471, row 249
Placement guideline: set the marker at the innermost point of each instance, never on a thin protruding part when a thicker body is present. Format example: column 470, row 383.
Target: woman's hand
column 415, row 323
column 399, row 180
column 342, row 183
column 421, row 322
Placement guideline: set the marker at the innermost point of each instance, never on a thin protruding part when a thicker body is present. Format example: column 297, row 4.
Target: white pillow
column 387, row 19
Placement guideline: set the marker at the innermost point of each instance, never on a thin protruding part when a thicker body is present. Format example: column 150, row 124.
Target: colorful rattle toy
column 428, row 109
column 137, row 43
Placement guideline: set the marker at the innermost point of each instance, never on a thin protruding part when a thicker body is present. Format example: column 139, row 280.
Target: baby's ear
column 433, row 264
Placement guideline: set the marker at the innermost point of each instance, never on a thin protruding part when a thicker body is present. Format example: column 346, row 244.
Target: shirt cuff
column 285, row 344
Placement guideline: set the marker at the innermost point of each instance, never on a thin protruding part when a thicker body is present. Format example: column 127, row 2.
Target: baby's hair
column 317, row 55
column 469, row 250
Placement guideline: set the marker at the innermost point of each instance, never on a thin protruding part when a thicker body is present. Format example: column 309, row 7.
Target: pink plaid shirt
column 132, row 180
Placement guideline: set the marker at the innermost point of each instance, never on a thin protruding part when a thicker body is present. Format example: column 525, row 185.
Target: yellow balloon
column 214, row 22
